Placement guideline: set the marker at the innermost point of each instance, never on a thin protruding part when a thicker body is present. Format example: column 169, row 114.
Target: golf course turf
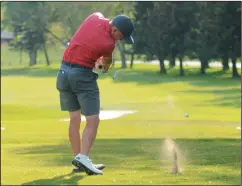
column 35, row 149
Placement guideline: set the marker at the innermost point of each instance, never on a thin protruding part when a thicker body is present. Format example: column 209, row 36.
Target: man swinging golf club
column 77, row 83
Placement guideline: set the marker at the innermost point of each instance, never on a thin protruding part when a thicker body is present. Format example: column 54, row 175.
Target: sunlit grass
column 35, row 147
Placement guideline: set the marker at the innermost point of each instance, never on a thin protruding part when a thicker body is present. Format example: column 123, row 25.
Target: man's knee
column 92, row 120
column 75, row 118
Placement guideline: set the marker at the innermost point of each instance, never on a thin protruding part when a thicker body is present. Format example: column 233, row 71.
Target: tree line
column 202, row 30
column 164, row 30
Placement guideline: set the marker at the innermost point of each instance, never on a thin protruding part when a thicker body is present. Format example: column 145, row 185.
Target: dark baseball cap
column 125, row 26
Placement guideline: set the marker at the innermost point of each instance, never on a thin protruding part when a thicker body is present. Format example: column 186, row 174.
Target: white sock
column 81, row 156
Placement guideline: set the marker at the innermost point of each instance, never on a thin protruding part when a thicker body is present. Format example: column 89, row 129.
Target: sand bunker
column 108, row 114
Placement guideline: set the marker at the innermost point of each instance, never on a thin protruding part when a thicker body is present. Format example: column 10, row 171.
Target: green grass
column 35, row 147
column 11, row 58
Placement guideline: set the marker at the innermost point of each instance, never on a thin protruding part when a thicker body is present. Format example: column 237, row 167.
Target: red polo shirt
column 91, row 41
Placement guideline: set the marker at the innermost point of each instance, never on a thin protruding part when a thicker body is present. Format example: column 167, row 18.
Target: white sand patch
column 238, row 128
column 2, row 128
column 107, row 114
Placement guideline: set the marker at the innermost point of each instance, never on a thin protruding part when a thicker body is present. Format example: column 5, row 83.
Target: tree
column 28, row 21
column 113, row 9
column 204, row 34
column 152, row 33
column 229, row 34
column 70, row 16
column 235, row 50
column 224, row 24
column 121, row 48
column 182, row 19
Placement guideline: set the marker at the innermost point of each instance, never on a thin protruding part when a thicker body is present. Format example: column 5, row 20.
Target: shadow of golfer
column 68, row 179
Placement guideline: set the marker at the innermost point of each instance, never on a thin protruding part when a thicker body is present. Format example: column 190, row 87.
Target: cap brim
column 129, row 40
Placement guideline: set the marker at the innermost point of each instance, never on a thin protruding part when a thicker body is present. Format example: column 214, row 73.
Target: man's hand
column 103, row 63
column 106, row 62
column 99, row 68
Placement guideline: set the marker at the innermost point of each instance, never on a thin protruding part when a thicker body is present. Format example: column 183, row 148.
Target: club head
column 115, row 74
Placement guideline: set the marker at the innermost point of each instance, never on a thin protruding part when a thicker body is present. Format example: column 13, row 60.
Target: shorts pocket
column 62, row 80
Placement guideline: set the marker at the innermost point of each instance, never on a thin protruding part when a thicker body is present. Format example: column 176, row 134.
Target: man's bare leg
column 74, row 132
column 88, row 138
column 89, row 133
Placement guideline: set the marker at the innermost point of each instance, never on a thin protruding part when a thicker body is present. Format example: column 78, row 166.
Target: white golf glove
column 99, row 68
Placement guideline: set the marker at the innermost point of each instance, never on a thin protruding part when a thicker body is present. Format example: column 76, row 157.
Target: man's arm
column 106, row 61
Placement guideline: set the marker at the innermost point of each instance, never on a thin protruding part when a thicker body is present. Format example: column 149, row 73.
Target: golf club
column 110, row 75
column 100, row 67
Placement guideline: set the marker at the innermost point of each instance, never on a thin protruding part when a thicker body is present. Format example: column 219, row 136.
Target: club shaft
column 111, row 75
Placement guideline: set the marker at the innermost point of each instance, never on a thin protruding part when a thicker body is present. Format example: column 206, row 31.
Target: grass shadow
column 141, row 155
column 69, row 179
column 228, row 178
column 226, row 97
column 218, row 80
column 120, row 152
column 233, row 100
column 143, row 77
column 140, row 76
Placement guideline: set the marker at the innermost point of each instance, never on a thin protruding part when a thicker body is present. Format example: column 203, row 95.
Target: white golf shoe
column 81, row 169
column 83, row 161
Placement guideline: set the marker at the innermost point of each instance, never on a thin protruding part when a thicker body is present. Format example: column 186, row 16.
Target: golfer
column 77, row 83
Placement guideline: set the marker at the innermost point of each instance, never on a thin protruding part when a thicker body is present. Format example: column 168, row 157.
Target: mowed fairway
column 34, row 142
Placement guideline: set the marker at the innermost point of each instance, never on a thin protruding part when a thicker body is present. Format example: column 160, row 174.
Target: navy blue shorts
column 78, row 89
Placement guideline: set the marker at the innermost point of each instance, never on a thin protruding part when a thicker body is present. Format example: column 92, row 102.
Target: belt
column 75, row 65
